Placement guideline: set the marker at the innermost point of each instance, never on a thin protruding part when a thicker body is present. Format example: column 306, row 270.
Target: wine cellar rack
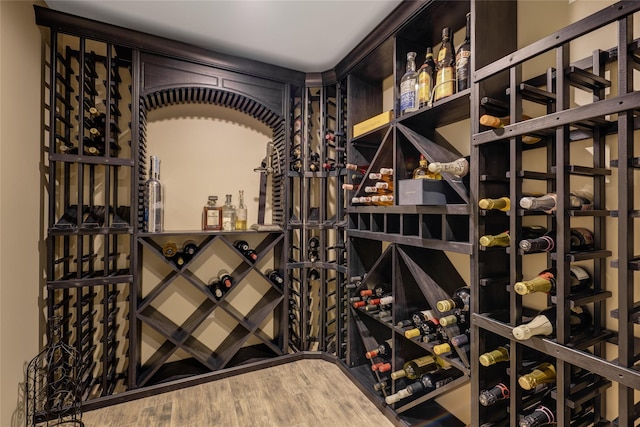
column 333, row 247
column 506, row 168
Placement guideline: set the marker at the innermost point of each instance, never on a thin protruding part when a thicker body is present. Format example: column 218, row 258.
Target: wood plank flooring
column 305, row 393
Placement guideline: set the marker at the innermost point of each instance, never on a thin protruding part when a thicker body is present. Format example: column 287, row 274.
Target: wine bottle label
column 462, row 67
column 425, row 86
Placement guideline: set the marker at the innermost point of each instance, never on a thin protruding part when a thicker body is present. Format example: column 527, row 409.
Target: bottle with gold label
column 423, row 172
column 445, row 83
column 425, row 79
column 501, row 204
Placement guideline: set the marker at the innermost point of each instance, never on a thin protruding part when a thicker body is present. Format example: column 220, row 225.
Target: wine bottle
column 545, row 323
column 408, row 86
column 501, row 204
column 275, row 277
column 445, row 83
column 545, row 414
column 212, row 215
column 350, row 187
column 169, row 249
column 543, row 373
column 580, row 239
column 463, row 59
column 241, row 213
column 546, row 281
column 460, row 341
column 578, row 200
column 313, row 274
column 426, row 384
column 425, row 79
column 495, row 394
column 417, row 367
column 423, row 328
column 423, row 172
column 189, row 248
column 503, row 239
column 379, row 290
column 241, row 245
column 383, row 349
column 225, row 278
column 153, row 199
column 459, row 300
column 458, row 168
column 216, row 288
column 358, row 168
column 500, row 354
column 500, row 122
column 384, row 384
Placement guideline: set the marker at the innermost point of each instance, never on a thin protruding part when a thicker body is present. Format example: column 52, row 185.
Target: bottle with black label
column 463, row 59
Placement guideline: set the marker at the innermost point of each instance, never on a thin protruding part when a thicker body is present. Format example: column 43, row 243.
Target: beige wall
column 21, row 194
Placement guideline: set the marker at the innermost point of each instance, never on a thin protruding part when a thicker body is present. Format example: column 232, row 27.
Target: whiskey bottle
column 544, row 373
column 578, row 200
column 425, row 79
column 463, row 59
column 153, row 199
column 500, row 122
column 212, row 215
column 417, row 367
column 425, row 384
column 241, row 213
column 458, row 168
column 501, row 204
column 383, row 349
column 423, row 171
column 545, row 323
column 495, row 394
column 546, row 281
column 409, row 86
column 228, row 215
column 445, row 84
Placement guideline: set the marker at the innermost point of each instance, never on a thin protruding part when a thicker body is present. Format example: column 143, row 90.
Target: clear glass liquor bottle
column 228, row 215
column 241, row 213
column 409, row 86
column 153, row 200
column 422, row 171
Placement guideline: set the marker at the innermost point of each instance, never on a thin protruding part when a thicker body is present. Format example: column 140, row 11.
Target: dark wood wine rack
column 104, row 309
column 505, row 168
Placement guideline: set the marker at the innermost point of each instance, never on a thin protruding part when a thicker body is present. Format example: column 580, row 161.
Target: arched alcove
column 233, row 129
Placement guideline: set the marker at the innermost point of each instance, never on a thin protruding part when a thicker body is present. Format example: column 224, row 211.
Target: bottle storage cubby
column 230, row 302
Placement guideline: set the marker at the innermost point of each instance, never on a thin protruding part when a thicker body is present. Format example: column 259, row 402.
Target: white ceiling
column 305, row 35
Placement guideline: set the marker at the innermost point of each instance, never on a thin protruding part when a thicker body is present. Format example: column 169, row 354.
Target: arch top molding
column 161, row 74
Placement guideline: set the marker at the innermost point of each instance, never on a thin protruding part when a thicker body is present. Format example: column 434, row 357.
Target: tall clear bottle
column 445, row 84
column 409, row 86
column 241, row 213
column 228, row 215
column 153, row 199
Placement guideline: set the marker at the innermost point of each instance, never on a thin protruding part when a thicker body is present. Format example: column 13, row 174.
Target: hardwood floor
column 305, row 393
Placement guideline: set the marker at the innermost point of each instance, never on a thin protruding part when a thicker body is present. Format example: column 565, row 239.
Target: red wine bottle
column 383, row 349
